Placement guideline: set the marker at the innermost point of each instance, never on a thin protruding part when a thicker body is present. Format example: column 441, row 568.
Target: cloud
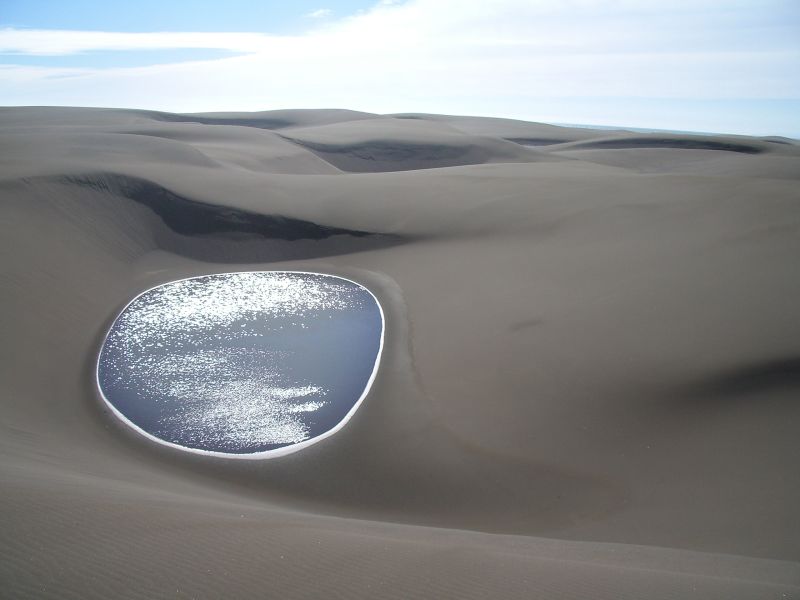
column 320, row 13
column 506, row 57
column 43, row 42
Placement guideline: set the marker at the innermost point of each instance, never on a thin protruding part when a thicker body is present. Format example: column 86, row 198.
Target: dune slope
column 589, row 386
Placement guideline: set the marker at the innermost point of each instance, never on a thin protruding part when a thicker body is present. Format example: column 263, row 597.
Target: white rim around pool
column 264, row 454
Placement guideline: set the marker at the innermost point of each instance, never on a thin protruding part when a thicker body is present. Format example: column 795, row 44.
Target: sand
column 589, row 387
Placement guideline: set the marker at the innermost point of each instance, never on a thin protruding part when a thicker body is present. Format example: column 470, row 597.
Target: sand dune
column 380, row 145
column 588, row 389
column 674, row 141
column 510, row 129
column 271, row 119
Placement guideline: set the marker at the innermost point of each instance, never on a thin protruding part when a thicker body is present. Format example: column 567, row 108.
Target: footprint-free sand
column 589, row 383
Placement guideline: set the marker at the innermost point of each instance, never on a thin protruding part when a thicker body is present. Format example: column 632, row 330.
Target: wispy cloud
column 320, row 13
column 44, row 42
column 505, row 57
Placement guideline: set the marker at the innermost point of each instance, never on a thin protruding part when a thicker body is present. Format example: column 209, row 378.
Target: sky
column 730, row 66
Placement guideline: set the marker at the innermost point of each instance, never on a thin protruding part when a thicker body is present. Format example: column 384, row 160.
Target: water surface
column 250, row 364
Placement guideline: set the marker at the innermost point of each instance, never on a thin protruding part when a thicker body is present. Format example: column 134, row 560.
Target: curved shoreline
column 265, row 454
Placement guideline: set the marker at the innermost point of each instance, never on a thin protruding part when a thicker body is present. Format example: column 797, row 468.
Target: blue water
column 242, row 363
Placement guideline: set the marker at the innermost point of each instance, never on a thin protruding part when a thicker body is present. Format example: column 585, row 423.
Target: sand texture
column 590, row 384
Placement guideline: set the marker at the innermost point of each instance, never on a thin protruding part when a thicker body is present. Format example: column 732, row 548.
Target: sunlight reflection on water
column 242, row 363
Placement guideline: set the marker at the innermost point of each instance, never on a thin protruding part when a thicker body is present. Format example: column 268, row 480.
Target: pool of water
column 248, row 365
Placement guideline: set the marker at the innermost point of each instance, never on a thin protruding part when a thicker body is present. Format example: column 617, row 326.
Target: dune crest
column 588, row 384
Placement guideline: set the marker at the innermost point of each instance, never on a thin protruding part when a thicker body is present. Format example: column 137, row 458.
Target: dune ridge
column 190, row 217
column 588, row 385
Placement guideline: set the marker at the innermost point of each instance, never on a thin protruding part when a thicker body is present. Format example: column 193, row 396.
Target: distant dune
column 589, row 385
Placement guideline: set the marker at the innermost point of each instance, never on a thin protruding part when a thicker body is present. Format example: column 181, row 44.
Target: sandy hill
column 589, row 387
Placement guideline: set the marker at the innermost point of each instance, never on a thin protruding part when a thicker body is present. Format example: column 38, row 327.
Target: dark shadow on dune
column 535, row 141
column 257, row 122
column 226, row 234
column 681, row 143
column 747, row 380
column 378, row 156
column 260, row 120
column 190, row 217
